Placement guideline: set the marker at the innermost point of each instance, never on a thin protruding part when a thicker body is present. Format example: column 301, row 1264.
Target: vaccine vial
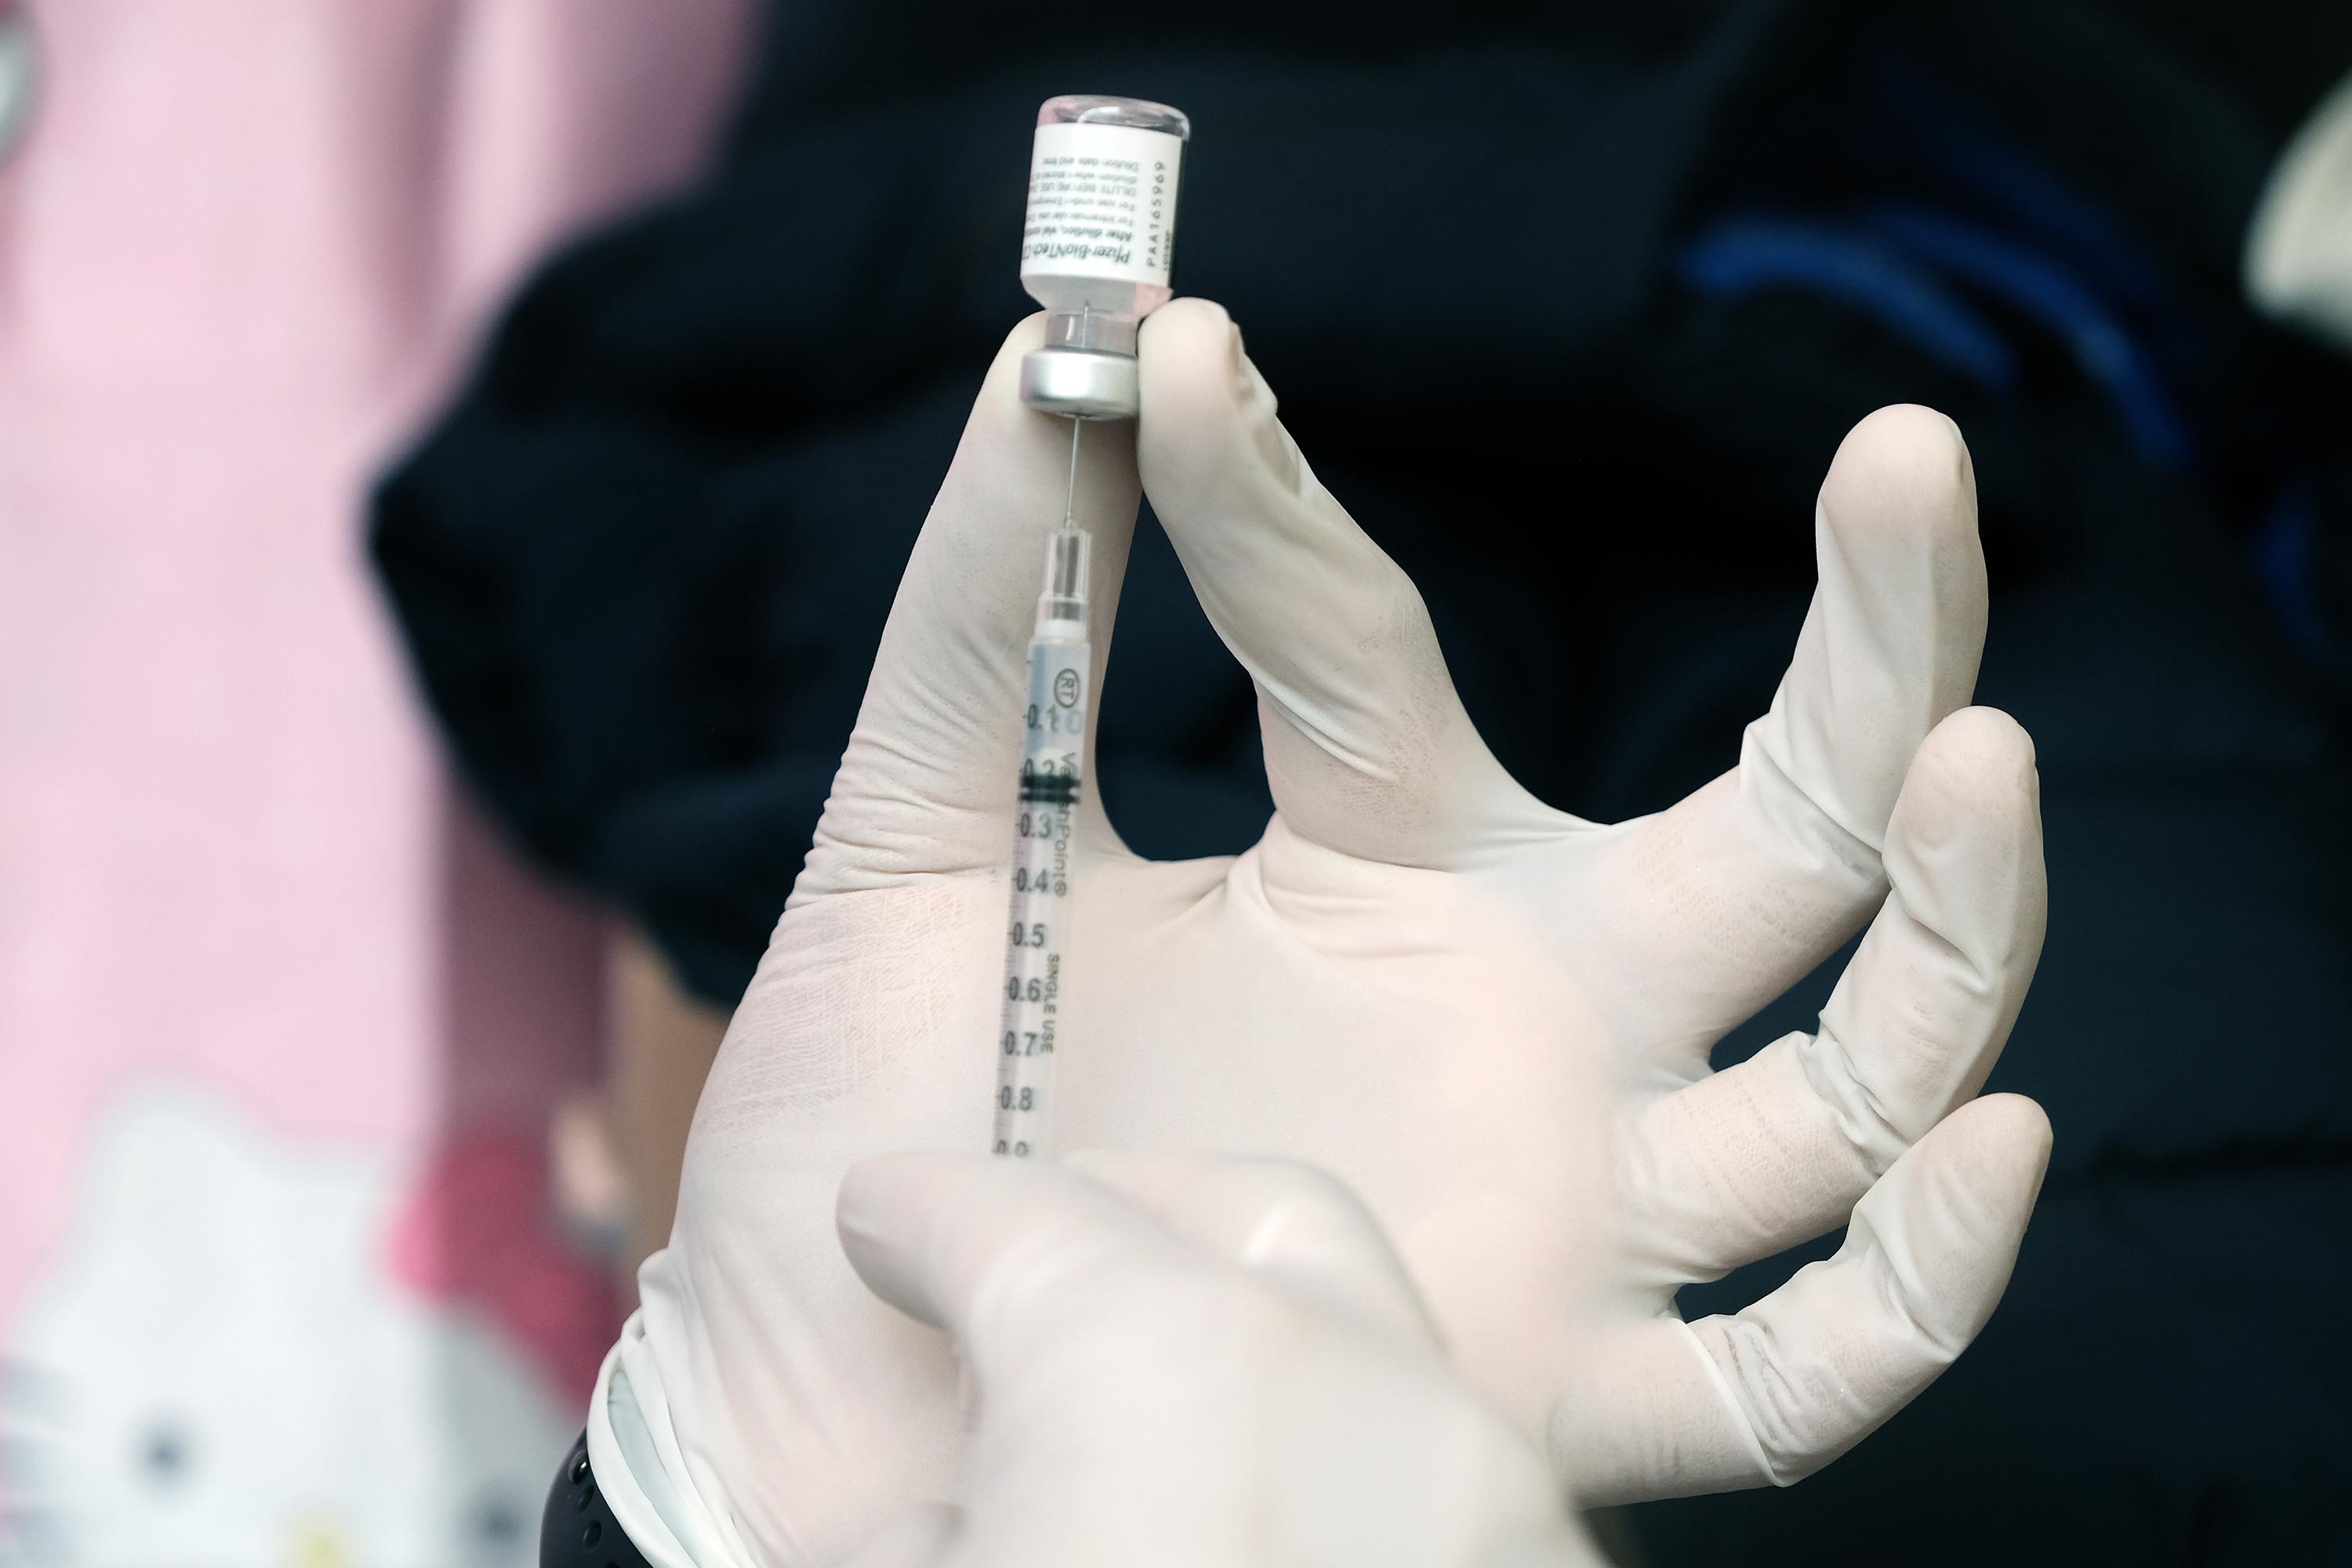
column 1095, row 249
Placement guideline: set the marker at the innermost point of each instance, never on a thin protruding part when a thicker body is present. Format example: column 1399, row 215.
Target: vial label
column 1102, row 202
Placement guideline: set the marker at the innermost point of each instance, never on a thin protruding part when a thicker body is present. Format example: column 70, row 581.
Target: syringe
column 1045, row 828
column 1095, row 247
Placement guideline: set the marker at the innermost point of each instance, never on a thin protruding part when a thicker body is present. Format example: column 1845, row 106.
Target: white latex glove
column 2298, row 261
column 1421, row 979
column 1185, row 1360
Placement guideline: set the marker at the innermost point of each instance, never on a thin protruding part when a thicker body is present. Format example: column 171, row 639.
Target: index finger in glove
column 1367, row 748
column 1736, row 892
column 928, row 779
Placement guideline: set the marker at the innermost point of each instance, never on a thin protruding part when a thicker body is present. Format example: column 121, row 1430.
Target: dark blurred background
column 1571, row 308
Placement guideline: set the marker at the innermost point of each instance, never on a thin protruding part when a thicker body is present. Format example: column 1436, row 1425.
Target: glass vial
column 1095, row 249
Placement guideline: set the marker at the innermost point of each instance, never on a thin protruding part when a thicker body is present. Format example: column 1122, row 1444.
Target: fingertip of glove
column 882, row 1194
column 1906, row 470
column 1191, row 327
column 1952, row 1223
column 873, row 1216
column 1194, row 376
column 999, row 388
column 2002, row 1155
column 1028, row 332
column 1976, row 763
column 2025, row 1127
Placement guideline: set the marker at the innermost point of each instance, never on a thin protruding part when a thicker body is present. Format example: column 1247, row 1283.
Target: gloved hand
column 1489, row 1018
column 1182, row 1359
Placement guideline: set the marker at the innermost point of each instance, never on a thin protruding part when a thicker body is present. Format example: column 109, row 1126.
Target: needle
column 1070, row 493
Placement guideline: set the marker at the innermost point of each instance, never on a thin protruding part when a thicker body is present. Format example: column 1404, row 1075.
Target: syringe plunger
column 1065, row 598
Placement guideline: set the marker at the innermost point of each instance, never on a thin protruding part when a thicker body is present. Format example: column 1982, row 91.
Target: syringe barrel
column 1044, row 851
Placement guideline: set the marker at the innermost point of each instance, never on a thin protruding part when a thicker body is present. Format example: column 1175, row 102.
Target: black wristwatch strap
column 578, row 1530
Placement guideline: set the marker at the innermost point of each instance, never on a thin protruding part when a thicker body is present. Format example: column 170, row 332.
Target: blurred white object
column 590, row 1187
column 222, row 1313
column 2299, row 246
column 1490, row 1019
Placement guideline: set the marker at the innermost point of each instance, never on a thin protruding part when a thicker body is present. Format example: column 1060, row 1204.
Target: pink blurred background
column 244, row 246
